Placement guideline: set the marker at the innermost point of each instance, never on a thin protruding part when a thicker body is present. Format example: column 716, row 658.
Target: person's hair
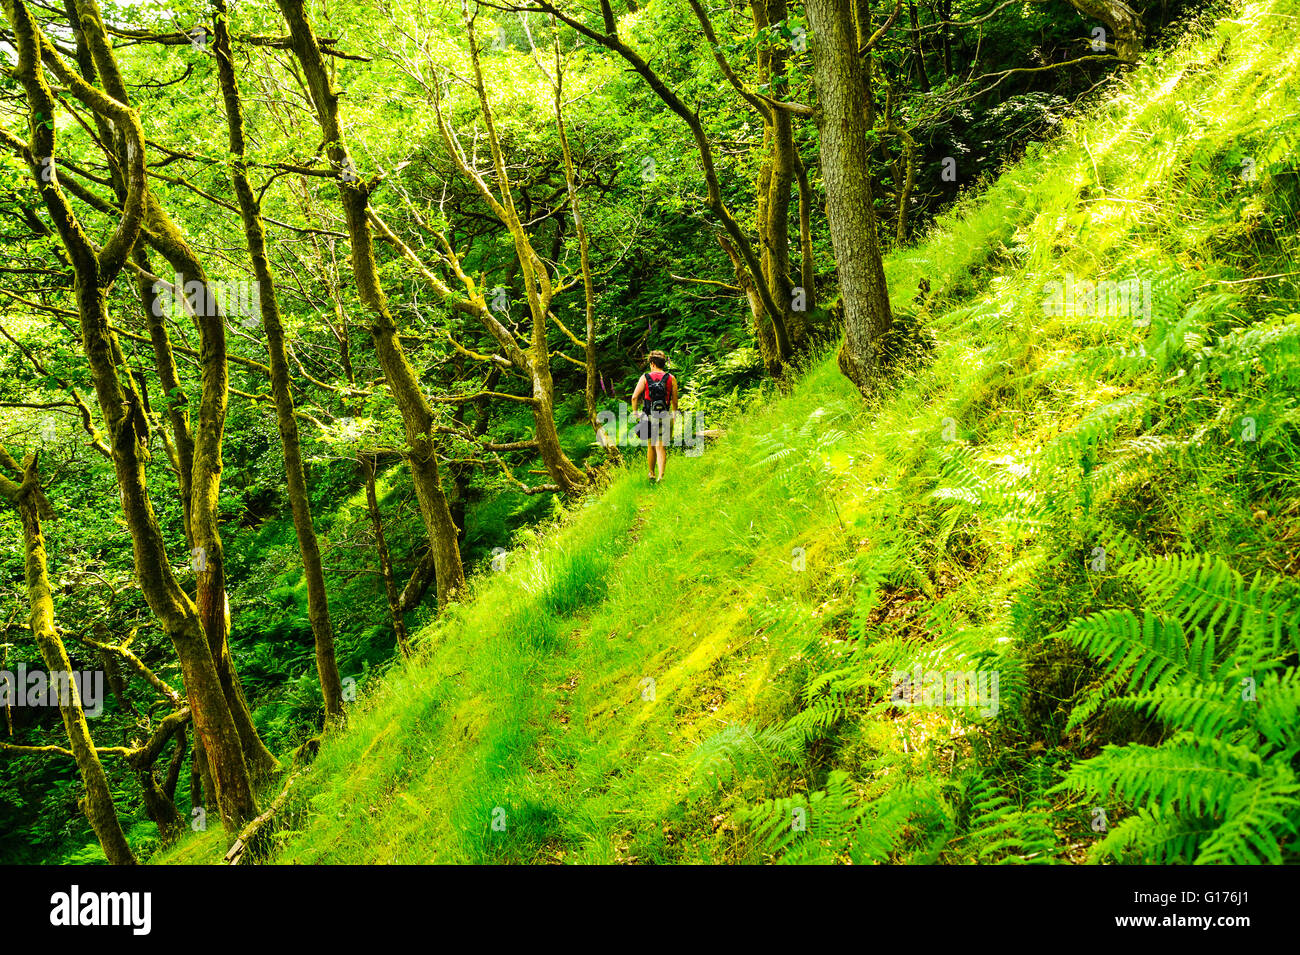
column 658, row 359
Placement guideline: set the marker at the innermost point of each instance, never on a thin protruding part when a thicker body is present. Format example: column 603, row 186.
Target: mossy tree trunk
column 95, row 55
column 775, row 191
column 533, row 361
column 160, row 800
column 268, row 303
column 100, row 811
column 416, row 412
column 849, row 206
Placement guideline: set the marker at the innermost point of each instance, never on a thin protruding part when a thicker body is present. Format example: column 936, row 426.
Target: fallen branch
column 246, row 835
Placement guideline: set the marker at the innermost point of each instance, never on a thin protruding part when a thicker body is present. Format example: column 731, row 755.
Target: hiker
column 659, row 389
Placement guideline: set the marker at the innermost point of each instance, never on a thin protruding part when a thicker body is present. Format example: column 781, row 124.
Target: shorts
column 655, row 427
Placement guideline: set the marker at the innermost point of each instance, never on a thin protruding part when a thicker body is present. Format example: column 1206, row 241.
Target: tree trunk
column 538, row 291
column 417, row 415
column 158, row 800
column 917, row 54
column 208, row 431
column 268, row 303
column 418, row 585
column 564, row 472
column 1124, row 22
column 160, row 808
column 945, row 11
column 99, row 799
column 155, row 311
column 774, row 192
column 385, row 559
column 906, row 174
column 849, row 205
column 178, row 615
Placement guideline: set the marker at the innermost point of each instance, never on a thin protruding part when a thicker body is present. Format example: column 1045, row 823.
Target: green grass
column 668, row 673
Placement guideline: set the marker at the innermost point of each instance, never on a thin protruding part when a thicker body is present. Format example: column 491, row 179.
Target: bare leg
column 662, row 453
column 650, row 458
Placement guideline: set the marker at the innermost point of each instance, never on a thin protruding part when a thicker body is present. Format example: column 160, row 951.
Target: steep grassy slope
column 703, row 671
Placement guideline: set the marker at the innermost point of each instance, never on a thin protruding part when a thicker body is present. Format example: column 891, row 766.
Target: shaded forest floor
column 668, row 674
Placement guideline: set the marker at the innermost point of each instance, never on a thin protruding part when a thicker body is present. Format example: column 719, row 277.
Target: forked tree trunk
column 538, row 289
column 207, row 432
column 121, row 407
column 160, row 801
column 202, row 485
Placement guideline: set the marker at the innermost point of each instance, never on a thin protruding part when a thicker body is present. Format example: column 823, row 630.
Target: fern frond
column 818, row 828
column 1155, row 835
column 1204, row 592
column 1204, row 709
column 740, row 750
column 1254, row 817
column 1185, row 774
column 1277, row 714
column 1150, row 650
